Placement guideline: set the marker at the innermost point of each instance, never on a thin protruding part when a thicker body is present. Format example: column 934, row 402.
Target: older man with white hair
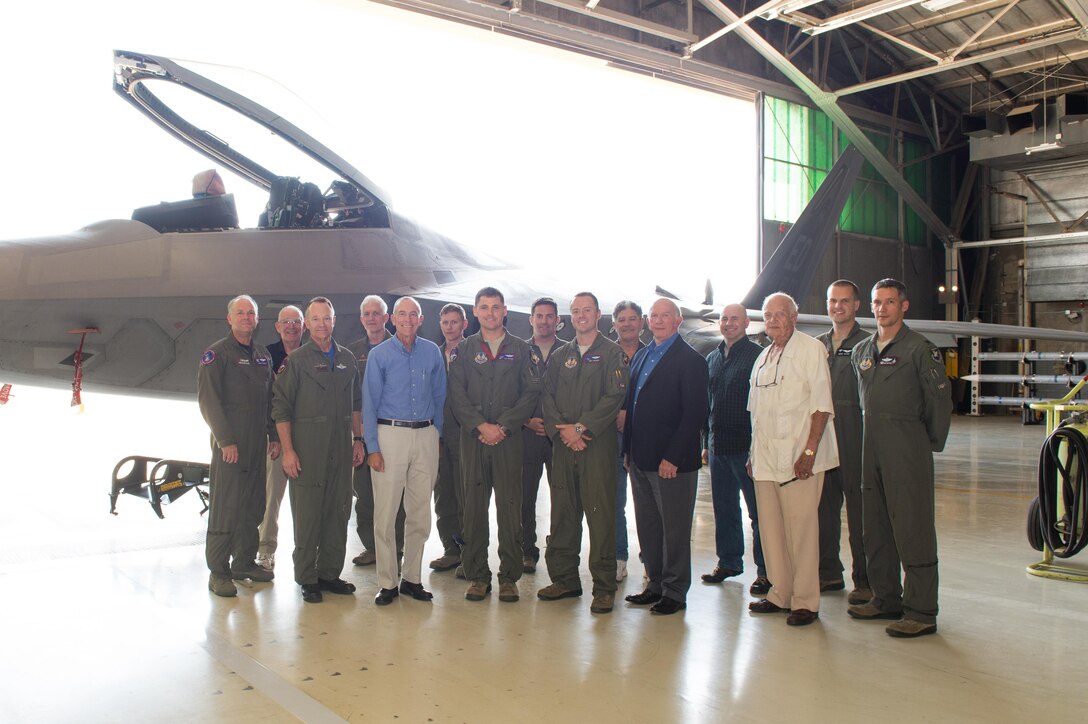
column 405, row 391
column 666, row 410
column 790, row 403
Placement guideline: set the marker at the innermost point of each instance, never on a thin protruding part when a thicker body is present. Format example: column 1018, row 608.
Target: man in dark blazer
column 666, row 410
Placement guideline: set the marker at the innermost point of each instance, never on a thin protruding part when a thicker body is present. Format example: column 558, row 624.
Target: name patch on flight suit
column 362, row 356
column 321, row 366
column 889, row 361
column 480, row 358
column 571, row 363
column 208, row 358
column 589, row 358
column 341, row 366
column 844, row 351
column 505, row 357
column 866, row 363
column 262, row 361
column 243, row 361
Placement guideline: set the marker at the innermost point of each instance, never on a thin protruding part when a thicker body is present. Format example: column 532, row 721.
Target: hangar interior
column 113, row 623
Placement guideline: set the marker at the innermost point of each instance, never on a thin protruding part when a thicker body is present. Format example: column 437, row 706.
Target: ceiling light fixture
column 935, row 5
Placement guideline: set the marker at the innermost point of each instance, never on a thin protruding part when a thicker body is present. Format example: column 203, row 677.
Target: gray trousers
column 275, row 488
column 234, row 511
column 449, row 508
column 663, row 514
column 320, row 514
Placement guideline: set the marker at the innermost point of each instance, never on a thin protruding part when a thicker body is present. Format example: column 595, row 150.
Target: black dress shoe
column 760, row 587
column 416, row 591
column 338, row 585
column 643, row 599
column 311, row 593
column 832, row 585
column 719, row 574
column 765, row 606
column 801, row 617
column 667, row 607
column 385, row 596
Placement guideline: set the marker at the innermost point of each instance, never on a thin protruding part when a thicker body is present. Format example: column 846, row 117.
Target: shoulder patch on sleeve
column 208, row 358
column 936, row 355
column 283, row 366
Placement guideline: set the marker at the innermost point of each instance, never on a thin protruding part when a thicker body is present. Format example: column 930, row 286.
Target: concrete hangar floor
column 108, row 618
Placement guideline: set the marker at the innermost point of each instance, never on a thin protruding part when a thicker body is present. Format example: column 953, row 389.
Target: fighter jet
column 129, row 305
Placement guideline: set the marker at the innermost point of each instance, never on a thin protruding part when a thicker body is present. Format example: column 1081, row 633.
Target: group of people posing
column 399, row 419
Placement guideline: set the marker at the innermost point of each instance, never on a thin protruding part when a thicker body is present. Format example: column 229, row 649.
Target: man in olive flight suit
column 907, row 408
column 584, row 388
column 844, row 481
column 317, row 399
column 233, row 390
column 492, row 390
column 449, row 506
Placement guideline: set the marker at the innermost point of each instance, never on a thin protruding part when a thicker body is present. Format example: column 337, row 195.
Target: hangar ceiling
column 918, row 66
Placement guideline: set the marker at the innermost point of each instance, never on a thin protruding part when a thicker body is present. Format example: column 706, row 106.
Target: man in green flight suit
column 584, row 388
column 233, row 390
column 907, row 408
column 317, row 398
column 493, row 389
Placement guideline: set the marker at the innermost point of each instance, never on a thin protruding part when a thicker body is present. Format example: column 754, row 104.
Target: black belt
column 410, row 424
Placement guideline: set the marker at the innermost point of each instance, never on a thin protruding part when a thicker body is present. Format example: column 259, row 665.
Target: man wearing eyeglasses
column 289, row 327
column 729, row 439
column 790, row 403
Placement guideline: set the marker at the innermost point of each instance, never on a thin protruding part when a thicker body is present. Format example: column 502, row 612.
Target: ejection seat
column 207, row 213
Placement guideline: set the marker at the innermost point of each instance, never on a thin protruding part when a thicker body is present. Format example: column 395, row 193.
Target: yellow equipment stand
column 1047, row 568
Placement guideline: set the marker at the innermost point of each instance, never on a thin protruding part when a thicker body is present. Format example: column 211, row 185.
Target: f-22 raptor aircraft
column 147, row 295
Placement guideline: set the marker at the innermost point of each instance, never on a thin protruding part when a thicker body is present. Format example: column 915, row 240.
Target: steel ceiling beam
column 827, row 102
column 961, row 63
column 624, row 20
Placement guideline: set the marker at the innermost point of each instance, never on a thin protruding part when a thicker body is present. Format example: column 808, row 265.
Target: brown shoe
column 801, row 617
column 554, row 592
column 859, row 596
column 478, row 590
column 835, row 585
column 602, row 603
column 906, row 628
column 760, row 587
column 765, row 606
column 528, row 564
column 508, row 592
column 866, row 611
column 460, row 572
column 445, row 563
column 719, row 574
column 366, row 558
column 222, row 586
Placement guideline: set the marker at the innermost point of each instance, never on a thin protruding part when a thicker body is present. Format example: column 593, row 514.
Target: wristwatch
column 578, row 428
column 809, row 452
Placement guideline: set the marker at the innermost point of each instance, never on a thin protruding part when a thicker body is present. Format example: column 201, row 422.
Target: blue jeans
column 729, row 478
column 621, row 508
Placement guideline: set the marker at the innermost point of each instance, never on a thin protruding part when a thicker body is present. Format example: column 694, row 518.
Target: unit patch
column 480, row 358
column 866, row 363
column 453, row 354
column 534, row 358
column 571, row 363
column 208, row 358
column 935, row 354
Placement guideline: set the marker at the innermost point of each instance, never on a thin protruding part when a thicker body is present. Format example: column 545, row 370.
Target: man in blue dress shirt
column 404, row 391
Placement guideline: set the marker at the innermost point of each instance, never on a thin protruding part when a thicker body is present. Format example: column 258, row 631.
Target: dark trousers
column 449, row 509
column 485, row 469
column 837, row 488
column 900, row 530
column 728, row 480
column 663, row 514
column 536, row 457
column 320, row 514
column 235, row 511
